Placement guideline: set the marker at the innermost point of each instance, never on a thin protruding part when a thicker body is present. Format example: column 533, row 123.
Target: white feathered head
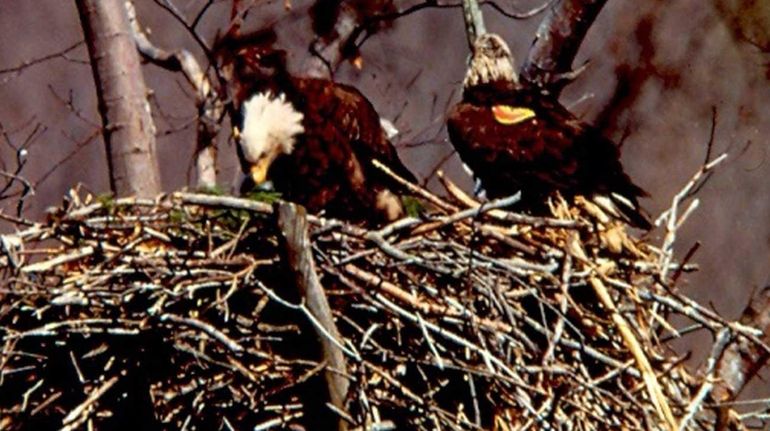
column 270, row 128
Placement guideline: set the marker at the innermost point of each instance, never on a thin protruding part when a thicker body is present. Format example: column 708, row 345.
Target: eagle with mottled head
column 513, row 138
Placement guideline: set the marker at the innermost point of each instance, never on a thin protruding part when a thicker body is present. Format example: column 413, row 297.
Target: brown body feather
column 330, row 168
column 549, row 152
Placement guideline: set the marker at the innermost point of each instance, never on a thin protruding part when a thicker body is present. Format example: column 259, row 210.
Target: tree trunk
column 128, row 129
column 210, row 106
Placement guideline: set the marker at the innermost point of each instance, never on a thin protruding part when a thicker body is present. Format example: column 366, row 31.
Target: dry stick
column 468, row 213
column 417, row 190
column 223, row 201
column 457, row 193
column 316, row 323
column 423, row 307
column 484, row 353
column 468, row 201
column 78, row 415
column 206, row 328
column 648, row 374
column 670, row 216
column 459, row 311
column 696, row 403
column 59, row 260
column 292, row 222
column 278, row 422
column 210, row 106
column 128, row 201
column 564, row 287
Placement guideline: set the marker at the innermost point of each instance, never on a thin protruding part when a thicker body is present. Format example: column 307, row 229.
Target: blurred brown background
column 656, row 70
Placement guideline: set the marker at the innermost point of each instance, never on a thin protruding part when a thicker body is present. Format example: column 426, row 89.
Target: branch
column 15, row 70
column 549, row 62
column 328, row 59
column 210, row 107
column 292, row 222
column 633, row 345
column 171, row 8
column 474, row 21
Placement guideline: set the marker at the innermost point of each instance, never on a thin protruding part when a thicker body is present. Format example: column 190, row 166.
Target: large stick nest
column 178, row 311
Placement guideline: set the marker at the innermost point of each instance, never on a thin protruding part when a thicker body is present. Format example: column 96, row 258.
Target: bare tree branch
column 128, row 128
column 15, row 70
column 330, row 54
column 474, row 21
column 549, row 62
column 210, row 107
column 292, row 222
column 201, row 13
column 169, row 6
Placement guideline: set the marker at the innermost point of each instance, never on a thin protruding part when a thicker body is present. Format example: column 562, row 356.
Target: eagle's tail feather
column 623, row 208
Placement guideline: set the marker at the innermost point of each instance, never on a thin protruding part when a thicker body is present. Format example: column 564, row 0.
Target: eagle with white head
column 270, row 129
column 315, row 140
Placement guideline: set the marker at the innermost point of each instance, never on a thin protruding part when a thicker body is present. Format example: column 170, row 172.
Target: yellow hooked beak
column 259, row 170
column 508, row 115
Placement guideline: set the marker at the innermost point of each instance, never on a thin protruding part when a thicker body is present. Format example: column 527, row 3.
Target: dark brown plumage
column 515, row 139
column 328, row 165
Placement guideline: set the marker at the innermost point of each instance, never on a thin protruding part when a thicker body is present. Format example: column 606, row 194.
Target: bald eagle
column 514, row 138
column 314, row 139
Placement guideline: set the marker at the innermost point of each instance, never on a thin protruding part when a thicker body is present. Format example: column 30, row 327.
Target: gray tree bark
column 210, row 105
column 549, row 62
column 474, row 21
column 128, row 128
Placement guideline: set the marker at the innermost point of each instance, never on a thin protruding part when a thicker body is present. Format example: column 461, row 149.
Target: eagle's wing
column 344, row 133
column 601, row 172
column 510, row 157
column 539, row 153
column 373, row 142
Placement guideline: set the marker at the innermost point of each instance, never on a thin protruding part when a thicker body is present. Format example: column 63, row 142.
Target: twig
column 413, row 188
column 206, row 328
column 468, row 201
column 468, row 213
column 78, row 415
column 708, row 379
column 224, row 201
column 670, row 216
column 29, row 63
column 657, row 396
